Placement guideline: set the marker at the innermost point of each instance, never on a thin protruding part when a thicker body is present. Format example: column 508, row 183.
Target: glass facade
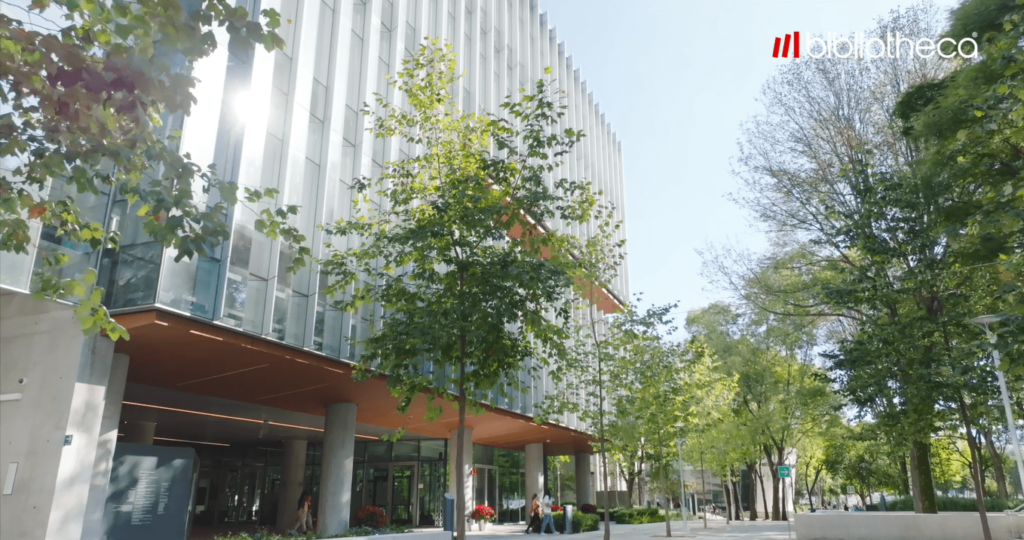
column 290, row 120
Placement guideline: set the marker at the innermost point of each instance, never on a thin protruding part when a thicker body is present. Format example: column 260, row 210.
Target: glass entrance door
column 393, row 489
column 402, row 489
column 242, row 495
column 485, row 486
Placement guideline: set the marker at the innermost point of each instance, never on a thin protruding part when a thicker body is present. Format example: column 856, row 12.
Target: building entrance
column 405, row 479
column 499, row 482
column 392, row 487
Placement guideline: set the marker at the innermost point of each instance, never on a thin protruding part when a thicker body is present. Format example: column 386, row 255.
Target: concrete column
column 138, row 432
column 54, row 429
column 293, row 473
column 534, row 472
column 336, row 471
column 93, row 528
column 467, row 466
column 584, row 480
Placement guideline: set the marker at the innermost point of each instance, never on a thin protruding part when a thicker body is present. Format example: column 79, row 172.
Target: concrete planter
column 904, row 526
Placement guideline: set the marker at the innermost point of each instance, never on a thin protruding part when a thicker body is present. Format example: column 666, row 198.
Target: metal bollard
column 568, row 519
column 449, row 512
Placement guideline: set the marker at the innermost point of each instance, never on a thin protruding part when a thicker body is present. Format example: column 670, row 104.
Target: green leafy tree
column 454, row 249
column 970, row 126
column 91, row 91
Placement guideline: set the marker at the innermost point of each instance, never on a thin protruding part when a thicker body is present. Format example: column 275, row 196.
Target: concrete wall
column 904, row 526
column 65, row 377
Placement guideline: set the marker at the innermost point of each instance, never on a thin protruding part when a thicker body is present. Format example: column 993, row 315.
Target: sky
column 676, row 78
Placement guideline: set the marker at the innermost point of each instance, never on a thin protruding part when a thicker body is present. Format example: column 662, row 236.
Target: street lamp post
column 983, row 323
column 682, row 486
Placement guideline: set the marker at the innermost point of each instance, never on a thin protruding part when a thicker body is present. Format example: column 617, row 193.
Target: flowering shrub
column 370, row 516
column 484, row 513
column 588, row 508
column 556, row 508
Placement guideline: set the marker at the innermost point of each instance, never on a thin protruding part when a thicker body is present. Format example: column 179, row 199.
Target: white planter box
column 903, row 526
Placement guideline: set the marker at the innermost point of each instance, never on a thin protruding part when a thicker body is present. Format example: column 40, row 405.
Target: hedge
column 952, row 504
column 636, row 516
column 580, row 522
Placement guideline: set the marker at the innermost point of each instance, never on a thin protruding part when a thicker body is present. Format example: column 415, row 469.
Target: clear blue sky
column 676, row 79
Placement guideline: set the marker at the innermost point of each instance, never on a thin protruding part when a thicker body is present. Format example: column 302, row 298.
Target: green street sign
column 784, row 471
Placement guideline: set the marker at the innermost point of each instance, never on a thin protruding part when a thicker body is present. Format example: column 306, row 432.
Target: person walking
column 304, row 514
column 546, row 507
column 534, row 515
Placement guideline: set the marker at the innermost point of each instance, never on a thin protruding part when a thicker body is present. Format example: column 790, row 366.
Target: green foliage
column 901, row 229
column 456, row 269
column 971, row 133
column 459, row 292
column 580, row 522
column 89, row 97
column 953, row 504
column 367, row 531
column 637, row 516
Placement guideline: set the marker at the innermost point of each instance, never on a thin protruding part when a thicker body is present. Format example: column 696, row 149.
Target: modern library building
column 247, row 367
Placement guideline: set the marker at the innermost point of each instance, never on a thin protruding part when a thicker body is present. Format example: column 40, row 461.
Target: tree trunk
column 630, row 480
column 753, row 492
column 921, row 478
column 460, row 470
column 776, row 501
column 736, row 497
column 600, row 416
column 810, row 491
column 764, row 496
column 640, row 481
column 979, row 493
column 904, row 480
column 703, row 491
column 784, row 482
column 607, row 511
column 997, row 464
column 668, row 513
column 728, row 502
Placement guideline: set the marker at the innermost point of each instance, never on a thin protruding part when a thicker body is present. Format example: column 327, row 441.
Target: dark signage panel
column 150, row 493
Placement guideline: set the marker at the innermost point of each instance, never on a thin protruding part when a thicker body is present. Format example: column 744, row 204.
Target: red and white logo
column 862, row 46
column 785, row 47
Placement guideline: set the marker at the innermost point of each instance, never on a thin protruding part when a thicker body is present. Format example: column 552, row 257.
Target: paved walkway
column 759, row 530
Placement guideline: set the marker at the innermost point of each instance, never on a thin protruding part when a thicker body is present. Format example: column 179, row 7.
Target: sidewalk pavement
column 746, row 530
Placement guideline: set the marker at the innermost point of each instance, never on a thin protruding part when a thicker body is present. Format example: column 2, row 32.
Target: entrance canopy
column 177, row 353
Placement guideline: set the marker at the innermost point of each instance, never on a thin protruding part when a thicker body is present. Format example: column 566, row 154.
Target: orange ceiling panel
column 171, row 351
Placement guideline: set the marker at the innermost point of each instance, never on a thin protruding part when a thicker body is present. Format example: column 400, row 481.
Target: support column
column 534, row 472
column 336, row 472
column 93, row 529
column 293, row 473
column 52, row 428
column 584, row 480
column 467, row 466
column 138, row 432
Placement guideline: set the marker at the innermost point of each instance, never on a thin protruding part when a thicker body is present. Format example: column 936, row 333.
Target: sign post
column 786, row 472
